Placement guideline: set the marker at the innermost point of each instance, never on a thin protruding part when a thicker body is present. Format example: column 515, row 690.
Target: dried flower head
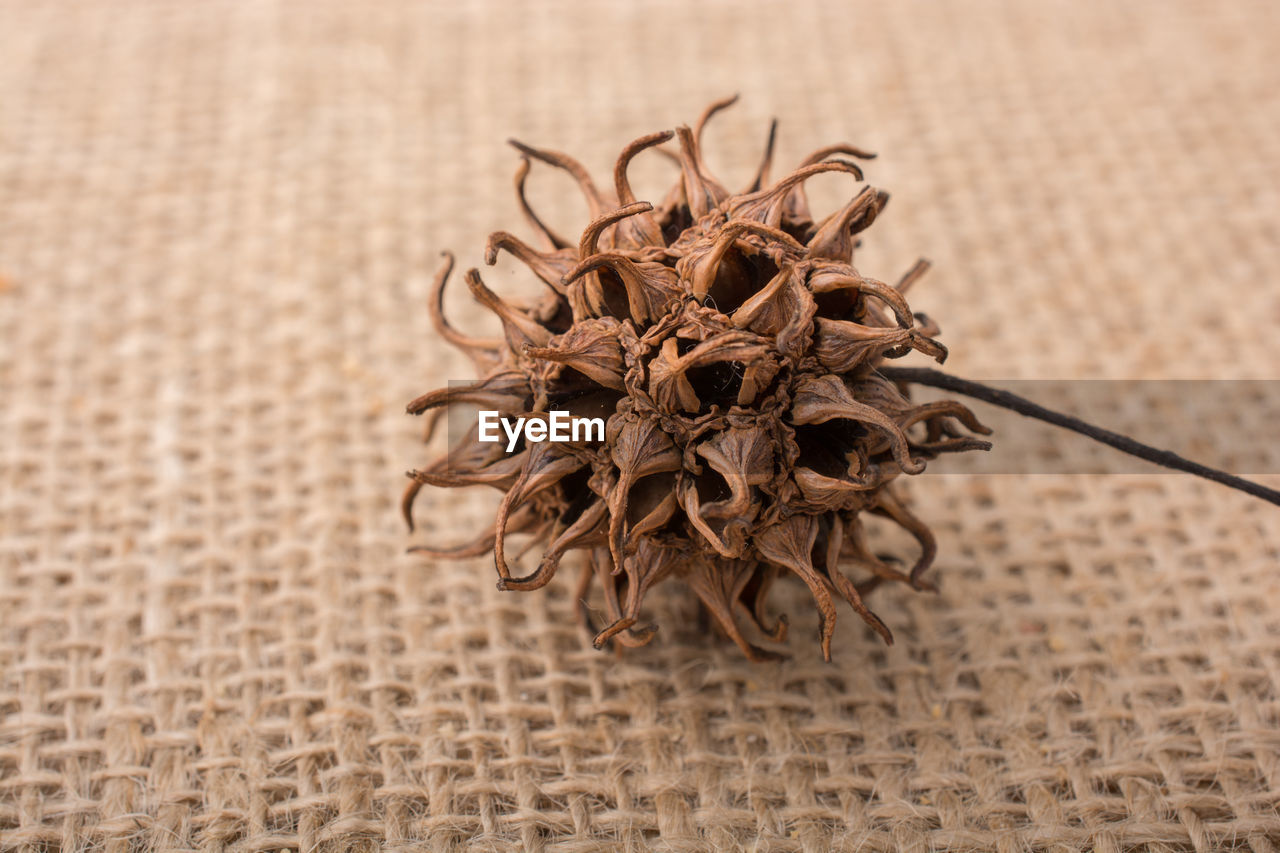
column 733, row 349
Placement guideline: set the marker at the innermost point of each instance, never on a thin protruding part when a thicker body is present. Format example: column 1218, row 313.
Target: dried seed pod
column 733, row 349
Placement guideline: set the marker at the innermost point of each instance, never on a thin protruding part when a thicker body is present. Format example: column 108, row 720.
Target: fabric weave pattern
column 218, row 223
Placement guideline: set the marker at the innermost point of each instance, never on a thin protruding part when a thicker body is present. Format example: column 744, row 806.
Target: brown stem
column 1021, row 405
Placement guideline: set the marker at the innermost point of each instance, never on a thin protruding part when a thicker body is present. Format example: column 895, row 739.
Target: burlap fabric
column 218, row 222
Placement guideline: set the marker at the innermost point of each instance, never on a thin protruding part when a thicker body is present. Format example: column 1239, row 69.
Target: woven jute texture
column 218, row 225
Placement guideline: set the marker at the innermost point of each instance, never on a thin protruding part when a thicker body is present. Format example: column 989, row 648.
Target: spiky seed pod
column 733, row 348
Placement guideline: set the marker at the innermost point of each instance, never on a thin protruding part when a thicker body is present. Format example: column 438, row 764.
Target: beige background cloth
column 218, row 223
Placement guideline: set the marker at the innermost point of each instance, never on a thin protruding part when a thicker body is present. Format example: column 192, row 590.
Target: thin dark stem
column 1023, row 406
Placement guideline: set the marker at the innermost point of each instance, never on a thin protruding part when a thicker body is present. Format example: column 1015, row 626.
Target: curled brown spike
column 691, row 501
column 543, row 468
column 654, row 564
column 634, row 638
column 482, row 544
column 825, row 281
column 925, row 324
column 573, row 536
column 548, row 267
column 638, row 449
column 650, row 288
column 796, row 206
column 750, row 226
column 921, row 342
column 616, row 627
column 644, row 229
column 701, row 192
column 621, row 183
column 595, row 202
column 647, row 565
column 821, row 489
column 954, row 445
column 606, row 573
column 715, row 107
column 620, row 628
column 701, row 267
column 841, row 345
column 916, row 339
column 704, row 270
column 767, row 205
column 505, row 390
column 766, row 161
column 553, row 240
column 744, row 457
column 430, row 422
column 911, row 276
column 849, row 592
column 765, row 306
column 700, row 125
column 861, row 224
column 855, row 546
column 789, row 543
column 891, row 297
column 506, row 467
column 839, row 148
column 754, row 598
column 824, row 398
column 834, row 237
column 521, row 329
column 407, row 500
column 947, row 408
column 587, row 246
column 888, row 504
column 479, row 349
column 719, row 585
column 580, row 592
column 831, row 523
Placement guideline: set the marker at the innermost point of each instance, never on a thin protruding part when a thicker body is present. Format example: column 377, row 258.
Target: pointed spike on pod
column 521, row 329
column 911, row 276
column 709, row 112
column 789, row 544
column 834, row 237
column 621, row 181
column 702, row 193
column 553, row 240
column 766, row 159
column 595, row 201
column 767, row 205
column 839, row 148
column 550, row 268
column 589, row 244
